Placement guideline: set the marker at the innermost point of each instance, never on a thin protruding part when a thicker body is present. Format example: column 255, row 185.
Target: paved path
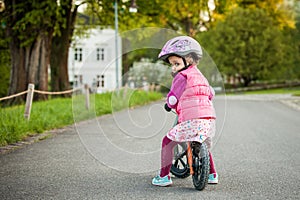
column 115, row 156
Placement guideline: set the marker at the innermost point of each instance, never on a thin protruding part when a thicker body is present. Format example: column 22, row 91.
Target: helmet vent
column 174, row 42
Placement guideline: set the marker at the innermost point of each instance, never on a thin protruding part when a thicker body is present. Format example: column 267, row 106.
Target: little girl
column 191, row 96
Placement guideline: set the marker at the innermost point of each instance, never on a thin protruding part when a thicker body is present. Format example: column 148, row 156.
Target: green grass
column 60, row 112
column 295, row 91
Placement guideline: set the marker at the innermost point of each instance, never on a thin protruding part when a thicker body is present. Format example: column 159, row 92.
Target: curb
column 293, row 103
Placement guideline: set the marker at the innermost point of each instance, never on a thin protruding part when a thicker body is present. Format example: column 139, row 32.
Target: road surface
column 115, row 156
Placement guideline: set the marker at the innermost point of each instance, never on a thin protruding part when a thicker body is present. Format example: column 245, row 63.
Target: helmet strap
column 184, row 62
column 185, row 65
column 184, row 68
column 174, row 74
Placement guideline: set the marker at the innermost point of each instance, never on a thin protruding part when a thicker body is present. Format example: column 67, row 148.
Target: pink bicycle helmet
column 180, row 46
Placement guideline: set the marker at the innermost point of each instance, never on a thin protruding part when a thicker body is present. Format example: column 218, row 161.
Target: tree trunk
column 17, row 82
column 59, row 64
column 60, row 50
column 125, row 60
column 247, row 80
column 30, row 65
column 44, row 63
column 188, row 27
column 30, row 45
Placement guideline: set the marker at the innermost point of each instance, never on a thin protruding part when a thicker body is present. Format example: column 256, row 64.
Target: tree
column 295, row 45
column 40, row 33
column 247, row 44
column 281, row 11
column 189, row 17
column 60, row 45
column 4, row 62
column 186, row 17
column 29, row 27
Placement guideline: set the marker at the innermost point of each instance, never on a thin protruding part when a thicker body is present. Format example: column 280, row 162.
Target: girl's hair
column 192, row 58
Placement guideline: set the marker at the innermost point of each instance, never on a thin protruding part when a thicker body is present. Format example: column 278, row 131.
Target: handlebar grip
column 167, row 108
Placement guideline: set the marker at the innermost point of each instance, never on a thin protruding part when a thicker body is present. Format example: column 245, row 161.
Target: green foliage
column 187, row 16
column 281, row 11
column 59, row 112
column 295, row 45
column 248, row 44
column 28, row 18
column 32, row 18
column 4, row 64
column 4, row 75
column 183, row 16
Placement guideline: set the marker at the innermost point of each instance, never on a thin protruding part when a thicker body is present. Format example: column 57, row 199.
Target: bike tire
column 201, row 166
column 180, row 168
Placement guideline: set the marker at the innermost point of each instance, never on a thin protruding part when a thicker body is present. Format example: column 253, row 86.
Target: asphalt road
column 115, row 156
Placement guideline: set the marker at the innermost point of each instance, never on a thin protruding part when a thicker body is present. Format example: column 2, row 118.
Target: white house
column 93, row 61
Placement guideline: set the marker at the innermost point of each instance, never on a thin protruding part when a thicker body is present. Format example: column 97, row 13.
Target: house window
column 100, row 53
column 78, row 54
column 77, row 80
column 100, row 81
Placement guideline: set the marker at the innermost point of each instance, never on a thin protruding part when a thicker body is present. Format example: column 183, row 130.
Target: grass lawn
column 295, row 91
column 60, row 112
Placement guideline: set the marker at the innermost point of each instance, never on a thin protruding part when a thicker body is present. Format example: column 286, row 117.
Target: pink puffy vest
column 195, row 101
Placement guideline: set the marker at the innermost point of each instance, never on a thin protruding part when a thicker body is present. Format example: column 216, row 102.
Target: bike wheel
column 180, row 168
column 201, row 165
